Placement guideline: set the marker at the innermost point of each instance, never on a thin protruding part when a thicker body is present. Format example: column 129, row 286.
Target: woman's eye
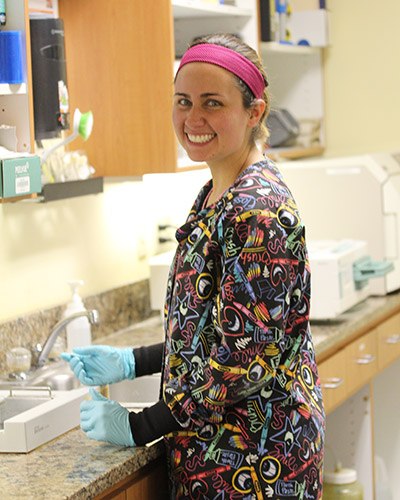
column 183, row 102
column 213, row 104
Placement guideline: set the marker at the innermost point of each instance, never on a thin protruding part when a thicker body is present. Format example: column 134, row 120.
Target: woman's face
column 209, row 118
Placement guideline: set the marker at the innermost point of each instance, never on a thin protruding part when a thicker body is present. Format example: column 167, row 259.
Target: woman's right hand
column 101, row 365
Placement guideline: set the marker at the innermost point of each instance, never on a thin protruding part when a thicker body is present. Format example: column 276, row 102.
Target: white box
column 311, row 26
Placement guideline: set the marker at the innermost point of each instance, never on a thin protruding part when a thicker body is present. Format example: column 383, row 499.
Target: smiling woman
column 241, row 409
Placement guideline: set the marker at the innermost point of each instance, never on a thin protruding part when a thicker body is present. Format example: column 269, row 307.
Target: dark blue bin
column 11, row 57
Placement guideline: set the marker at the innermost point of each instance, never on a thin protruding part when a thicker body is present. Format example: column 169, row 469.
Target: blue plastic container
column 11, row 57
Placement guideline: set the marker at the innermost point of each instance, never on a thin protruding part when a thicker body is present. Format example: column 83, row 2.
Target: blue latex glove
column 105, row 420
column 101, row 365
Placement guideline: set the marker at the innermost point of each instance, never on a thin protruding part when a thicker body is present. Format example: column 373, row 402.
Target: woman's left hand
column 106, row 420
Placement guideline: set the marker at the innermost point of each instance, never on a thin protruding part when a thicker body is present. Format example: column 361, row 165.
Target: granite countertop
column 75, row 467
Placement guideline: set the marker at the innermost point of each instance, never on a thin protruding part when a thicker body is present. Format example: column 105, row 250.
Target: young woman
column 241, row 410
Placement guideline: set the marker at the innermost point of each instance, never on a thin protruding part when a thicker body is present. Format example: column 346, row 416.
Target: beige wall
column 103, row 239
column 362, row 77
column 95, row 238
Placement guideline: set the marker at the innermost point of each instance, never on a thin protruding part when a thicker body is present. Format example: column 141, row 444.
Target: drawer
column 388, row 341
column 332, row 373
column 361, row 361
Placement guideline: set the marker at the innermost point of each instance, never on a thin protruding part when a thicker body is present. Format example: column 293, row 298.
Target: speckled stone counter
column 330, row 336
column 75, row 467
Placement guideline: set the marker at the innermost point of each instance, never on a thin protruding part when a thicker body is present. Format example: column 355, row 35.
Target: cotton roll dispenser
column 49, row 78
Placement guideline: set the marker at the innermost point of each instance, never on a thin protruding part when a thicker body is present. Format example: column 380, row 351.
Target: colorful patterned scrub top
column 239, row 366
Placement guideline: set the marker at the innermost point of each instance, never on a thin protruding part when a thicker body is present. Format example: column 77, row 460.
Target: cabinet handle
column 332, row 383
column 394, row 339
column 366, row 359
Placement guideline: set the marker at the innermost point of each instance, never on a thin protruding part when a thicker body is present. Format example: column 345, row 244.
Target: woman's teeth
column 199, row 139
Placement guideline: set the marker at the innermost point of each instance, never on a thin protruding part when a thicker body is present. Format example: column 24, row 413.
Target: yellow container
column 342, row 484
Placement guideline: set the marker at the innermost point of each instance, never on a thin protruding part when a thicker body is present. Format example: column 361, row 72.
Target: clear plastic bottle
column 342, row 484
column 78, row 331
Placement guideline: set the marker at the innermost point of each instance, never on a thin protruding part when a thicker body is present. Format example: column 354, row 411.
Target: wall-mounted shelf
column 293, row 153
column 71, row 189
column 287, row 48
column 189, row 9
column 61, row 191
column 193, row 19
column 12, row 89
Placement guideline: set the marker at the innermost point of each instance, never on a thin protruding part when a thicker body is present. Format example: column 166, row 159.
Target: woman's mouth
column 200, row 138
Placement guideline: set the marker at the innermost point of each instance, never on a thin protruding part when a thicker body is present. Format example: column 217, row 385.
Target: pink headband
column 229, row 60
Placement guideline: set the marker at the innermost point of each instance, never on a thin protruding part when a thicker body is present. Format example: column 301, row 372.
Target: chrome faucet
column 93, row 317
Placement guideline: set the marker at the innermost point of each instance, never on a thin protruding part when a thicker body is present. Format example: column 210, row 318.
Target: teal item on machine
column 365, row 268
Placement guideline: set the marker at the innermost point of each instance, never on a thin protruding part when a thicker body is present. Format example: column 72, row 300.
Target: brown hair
column 260, row 131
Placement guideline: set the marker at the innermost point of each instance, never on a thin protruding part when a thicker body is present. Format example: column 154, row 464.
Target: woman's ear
column 256, row 111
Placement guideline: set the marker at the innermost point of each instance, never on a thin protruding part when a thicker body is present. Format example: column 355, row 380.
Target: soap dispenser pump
column 78, row 330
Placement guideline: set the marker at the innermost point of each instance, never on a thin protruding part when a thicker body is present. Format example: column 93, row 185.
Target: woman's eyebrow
column 204, row 95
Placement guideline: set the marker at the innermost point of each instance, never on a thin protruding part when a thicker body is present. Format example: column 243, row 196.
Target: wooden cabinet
column 362, row 403
column 148, row 483
column 388, row 341
column 120, row 66
column 361, row 362
column 332, row 373
column 350, row 369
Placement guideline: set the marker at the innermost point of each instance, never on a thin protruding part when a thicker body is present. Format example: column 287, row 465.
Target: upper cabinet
column 120, row 66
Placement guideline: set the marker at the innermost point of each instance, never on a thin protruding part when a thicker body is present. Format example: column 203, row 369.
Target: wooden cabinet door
column 388, row 341
column 150, row 486
column 332, row 373
column 361, row 361
column 120, row 65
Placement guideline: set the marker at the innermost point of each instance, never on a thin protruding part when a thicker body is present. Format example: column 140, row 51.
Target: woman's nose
column 195, row 116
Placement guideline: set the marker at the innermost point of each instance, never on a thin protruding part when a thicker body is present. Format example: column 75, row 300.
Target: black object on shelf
column 49, row 78
column 71, row 189
column 266, row 27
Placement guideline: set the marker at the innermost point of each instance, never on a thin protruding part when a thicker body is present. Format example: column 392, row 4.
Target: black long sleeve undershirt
column 157, row 420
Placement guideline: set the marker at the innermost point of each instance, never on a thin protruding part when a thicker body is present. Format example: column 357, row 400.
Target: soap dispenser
column 78, row 330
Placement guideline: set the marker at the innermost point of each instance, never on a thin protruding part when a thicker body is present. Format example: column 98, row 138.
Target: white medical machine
column 354, row 197
column 340, row 274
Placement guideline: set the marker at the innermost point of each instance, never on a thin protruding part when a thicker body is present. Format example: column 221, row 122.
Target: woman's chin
column 196, row 156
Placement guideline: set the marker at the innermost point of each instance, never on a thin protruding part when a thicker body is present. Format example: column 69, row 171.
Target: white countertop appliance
column 340, row 274
column 354, row 197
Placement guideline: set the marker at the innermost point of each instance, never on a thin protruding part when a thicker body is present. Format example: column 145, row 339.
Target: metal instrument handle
column 365, row 359
column 332, row 383
column 393, row 339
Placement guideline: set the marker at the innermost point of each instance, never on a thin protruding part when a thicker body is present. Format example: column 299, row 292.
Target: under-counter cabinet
column 361, row 387
column 150, row 483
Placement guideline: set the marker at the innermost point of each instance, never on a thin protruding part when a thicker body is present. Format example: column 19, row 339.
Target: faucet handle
column 94, row 316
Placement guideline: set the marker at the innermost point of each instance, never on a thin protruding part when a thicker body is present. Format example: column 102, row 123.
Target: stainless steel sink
column 138, row 393
column 14, row 403
column 58, row 376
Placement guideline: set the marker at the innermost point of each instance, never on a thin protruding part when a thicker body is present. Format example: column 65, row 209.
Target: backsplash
column 118, row 308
